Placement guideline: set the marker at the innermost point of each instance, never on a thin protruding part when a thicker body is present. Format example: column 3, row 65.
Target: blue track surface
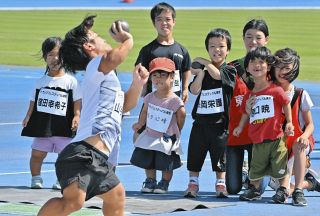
column 16, row 84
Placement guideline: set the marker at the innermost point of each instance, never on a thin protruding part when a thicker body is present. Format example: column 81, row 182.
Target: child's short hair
column 262, row 53
column 258, row 24
column 288, row 56
column 159, row 8
column 219, row 33
column 71, row 52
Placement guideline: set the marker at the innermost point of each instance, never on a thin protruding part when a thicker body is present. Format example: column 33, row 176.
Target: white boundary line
column 148, row 8
column 119, row 166
column 18, row 173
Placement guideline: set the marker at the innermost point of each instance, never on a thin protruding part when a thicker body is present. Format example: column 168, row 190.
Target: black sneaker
column 161, row 187
column 281, row 195
column 252, row 193
column 149, row 185
column 298, row 198
column 312, row 177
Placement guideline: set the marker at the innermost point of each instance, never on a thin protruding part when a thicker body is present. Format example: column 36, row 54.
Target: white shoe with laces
column 36, row 182
column 221, row 189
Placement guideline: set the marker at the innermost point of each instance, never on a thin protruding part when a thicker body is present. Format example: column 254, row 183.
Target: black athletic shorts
column 88, row 166
column 206, row 138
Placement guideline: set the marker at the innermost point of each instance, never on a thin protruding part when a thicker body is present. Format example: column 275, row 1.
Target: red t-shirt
column 235, row 112
column 269, row 128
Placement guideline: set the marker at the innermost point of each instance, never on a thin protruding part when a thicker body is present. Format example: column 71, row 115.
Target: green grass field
column 22, row 32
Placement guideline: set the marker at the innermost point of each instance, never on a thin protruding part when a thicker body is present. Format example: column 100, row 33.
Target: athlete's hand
column 118, row 34
column 140, row 75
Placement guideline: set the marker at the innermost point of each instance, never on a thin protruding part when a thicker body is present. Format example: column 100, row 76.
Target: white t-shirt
column 102, row 104
column 65, row 82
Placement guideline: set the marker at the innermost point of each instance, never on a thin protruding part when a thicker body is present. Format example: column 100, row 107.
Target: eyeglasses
column 160, row 74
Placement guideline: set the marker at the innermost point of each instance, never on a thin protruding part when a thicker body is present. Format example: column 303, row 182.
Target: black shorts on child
column 88, row 166
column 206, row 138
column 150, row 159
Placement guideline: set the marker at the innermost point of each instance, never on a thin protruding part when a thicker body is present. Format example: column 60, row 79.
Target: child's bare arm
column 185, row 81
column 142, row 119
column 76, row 117
column 196, row 85
column 289, row 128
column 303, row 139
column 29, row 112
column 181, row 117
column 212, row 70
column 243, row 121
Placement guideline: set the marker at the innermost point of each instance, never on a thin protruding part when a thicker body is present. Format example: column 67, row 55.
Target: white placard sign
column 263, row 108
column 52, row 101
column 158, row 118
column 211, row 101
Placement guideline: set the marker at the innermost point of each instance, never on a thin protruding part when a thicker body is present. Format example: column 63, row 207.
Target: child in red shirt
column 269, row 152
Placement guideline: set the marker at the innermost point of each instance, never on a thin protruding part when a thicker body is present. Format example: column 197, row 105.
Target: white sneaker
column 36, row 182
column 221, row 190
column 56, row 186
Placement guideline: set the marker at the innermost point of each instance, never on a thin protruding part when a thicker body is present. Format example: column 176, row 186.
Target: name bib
column 52, row 101
column 117, row 109
column 158, row 118
column 263, row 108
column 211, row 101
column 176, row 86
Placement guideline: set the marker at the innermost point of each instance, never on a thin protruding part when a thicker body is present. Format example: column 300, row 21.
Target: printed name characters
column 211, row 101
column 158, row 118
column 52, row 101
column 262, row 109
